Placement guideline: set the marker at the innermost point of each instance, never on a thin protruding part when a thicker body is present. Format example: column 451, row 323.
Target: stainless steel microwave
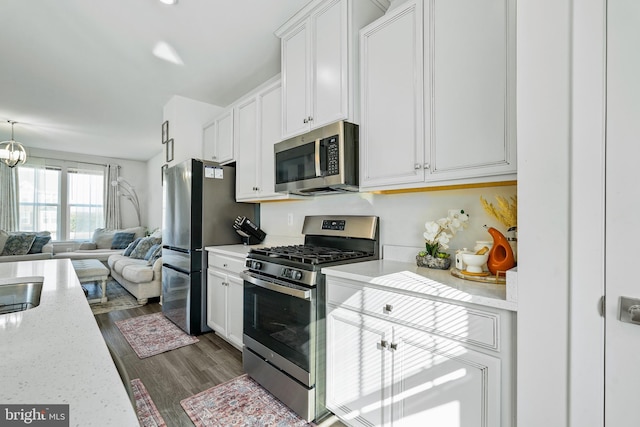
column 322, row 161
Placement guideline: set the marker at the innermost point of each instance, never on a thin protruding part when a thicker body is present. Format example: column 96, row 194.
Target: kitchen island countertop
column 408, row 277
column 55, row 354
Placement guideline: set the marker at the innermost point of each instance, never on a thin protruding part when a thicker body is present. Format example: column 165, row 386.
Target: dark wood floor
column 175, row 375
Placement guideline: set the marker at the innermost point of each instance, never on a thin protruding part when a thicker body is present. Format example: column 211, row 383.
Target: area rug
column 146, row 410
column 118, row 297
column 153, row 334
column 239, row 402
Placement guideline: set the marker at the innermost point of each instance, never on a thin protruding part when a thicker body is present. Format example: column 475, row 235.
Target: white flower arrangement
column 439, row 233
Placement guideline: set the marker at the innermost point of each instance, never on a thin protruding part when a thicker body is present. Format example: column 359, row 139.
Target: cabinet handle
column 384, row 344
column 310, row 118
column 224, row 265
column 213, row 157
column 387, row 308
column 417, row 166
column 305, row 120
column 393, row 346
column 427, row 165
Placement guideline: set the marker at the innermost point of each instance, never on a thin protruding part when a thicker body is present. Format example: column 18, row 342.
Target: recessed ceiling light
column 169, row 2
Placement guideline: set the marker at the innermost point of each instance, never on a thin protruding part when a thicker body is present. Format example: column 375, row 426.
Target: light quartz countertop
column 55, row 354
column 408, row 277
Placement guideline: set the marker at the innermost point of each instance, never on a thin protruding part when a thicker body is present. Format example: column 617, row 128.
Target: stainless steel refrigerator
column 199, row 210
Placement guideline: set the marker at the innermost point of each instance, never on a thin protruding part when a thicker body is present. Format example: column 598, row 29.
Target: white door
column 622, row 348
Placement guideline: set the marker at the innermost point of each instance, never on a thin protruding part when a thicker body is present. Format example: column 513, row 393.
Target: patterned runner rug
column 153, row 334
column 239, row 402
column 147, row 411
column 119, row 298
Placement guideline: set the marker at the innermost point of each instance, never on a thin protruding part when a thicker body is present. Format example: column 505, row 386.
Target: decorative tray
column 488, row 278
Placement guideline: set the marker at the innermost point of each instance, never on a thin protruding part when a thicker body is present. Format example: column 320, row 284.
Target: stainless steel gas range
column 284, row 307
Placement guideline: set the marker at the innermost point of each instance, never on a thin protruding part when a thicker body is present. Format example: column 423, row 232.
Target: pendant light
column 12, row 152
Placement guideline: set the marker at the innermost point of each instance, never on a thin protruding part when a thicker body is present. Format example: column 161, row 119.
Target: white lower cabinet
column 385, row 371
column 225, row 297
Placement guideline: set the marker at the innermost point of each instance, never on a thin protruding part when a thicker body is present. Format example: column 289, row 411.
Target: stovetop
column 309, row 254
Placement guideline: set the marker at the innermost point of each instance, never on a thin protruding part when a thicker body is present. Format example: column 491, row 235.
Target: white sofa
column 142, row 280
column 99, row 248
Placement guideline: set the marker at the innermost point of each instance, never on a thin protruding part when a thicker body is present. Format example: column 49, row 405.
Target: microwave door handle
column 318, row 169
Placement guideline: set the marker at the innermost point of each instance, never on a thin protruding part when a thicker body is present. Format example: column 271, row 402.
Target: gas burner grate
column 310, row 254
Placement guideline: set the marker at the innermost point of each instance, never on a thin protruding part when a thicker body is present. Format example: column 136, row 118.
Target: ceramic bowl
column 475, row 262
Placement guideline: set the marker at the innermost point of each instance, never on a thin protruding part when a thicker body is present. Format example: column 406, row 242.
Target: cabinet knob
column 384, row 344
column 427, row 165
column 224, row 265
column 417, row 166
column 310, row 118
column 305, row 120
column 213, row 157
column 387, row 308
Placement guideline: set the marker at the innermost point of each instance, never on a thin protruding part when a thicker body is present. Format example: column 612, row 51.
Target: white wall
column 402, row 216
column 154, row 189
column 135, row 172
column 186, row 118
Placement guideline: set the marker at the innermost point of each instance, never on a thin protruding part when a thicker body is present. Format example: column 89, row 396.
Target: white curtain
column 112, row 200
column 8, row 198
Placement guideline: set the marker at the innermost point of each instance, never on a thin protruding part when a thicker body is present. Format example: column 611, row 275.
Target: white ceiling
column 79, row 75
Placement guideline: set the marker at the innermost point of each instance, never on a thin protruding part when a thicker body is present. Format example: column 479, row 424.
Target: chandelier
column 12, row 152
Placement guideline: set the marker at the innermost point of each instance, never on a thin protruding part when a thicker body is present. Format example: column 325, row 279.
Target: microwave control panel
column 333, row 224
column 331, row 149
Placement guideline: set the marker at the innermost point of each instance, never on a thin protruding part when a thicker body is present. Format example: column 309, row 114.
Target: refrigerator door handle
column 174, row 268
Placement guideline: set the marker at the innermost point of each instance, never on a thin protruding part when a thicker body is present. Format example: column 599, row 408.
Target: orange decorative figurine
column 501, row 256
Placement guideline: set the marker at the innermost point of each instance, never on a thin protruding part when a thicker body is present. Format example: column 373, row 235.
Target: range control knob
column 256, row 265
column 296, row 275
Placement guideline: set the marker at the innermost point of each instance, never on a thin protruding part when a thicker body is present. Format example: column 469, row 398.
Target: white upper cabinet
column 217, row 138
column 320, row 63
column 391, row 131
column 257, row 130
column 438, row 95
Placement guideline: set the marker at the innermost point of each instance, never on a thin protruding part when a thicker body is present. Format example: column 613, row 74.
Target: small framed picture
column 162, row 169
column 165, row 132
column 169, row 148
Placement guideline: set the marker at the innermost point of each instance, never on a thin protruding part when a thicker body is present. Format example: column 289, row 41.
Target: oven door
column 279, row 325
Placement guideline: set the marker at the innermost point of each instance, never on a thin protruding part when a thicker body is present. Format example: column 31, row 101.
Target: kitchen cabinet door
column 329, row 66
column 246, row 135
column 270, row 126
column 473, row 89
column 295, row 75
column 217, row 301
column 358, row 368
column 441, row 383
column 235, row 300
column 391, row 134
column 218, row 139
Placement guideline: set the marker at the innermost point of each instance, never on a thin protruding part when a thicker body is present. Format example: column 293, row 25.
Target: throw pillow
column 38, row 244
column 18, row 244
column 121, row 240
column 131, row 247
column 3, row 239
column 103, row 238
column 156, row 254
column 151, row 251
column 143, row 247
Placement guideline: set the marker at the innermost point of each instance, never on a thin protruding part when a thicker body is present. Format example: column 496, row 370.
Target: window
column 39, row 207
column 67, row 201
column 85, row 202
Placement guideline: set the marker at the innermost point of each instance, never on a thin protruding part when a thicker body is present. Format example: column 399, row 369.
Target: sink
column 19, row 294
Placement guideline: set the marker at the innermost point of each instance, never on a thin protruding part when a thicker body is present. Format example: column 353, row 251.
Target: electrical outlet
column 290, row 219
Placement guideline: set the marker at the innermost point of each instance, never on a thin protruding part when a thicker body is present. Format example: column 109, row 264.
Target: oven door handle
column 298, row 293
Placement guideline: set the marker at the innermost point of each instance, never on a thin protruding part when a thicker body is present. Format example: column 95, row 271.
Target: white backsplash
column 402, row 216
